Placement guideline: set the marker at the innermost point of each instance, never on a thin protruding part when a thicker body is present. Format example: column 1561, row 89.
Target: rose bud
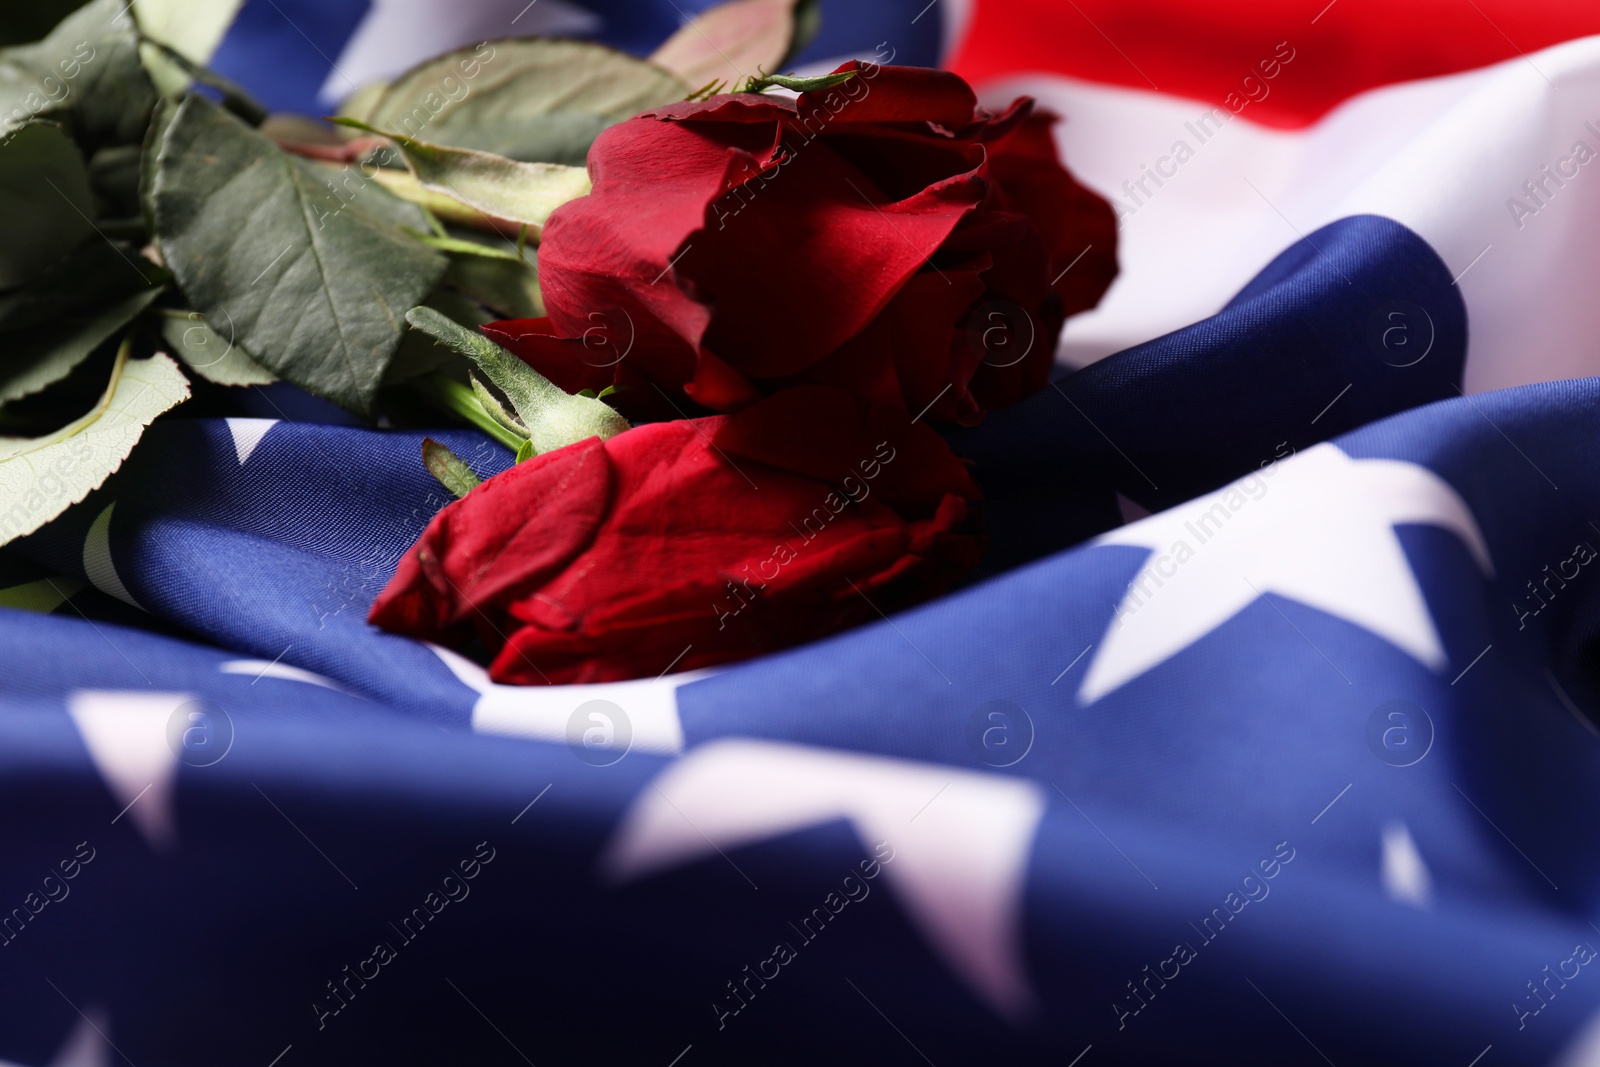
column 692, row 542
column 886, row 236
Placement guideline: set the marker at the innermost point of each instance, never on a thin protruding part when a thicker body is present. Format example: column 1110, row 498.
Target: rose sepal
column 553, row 418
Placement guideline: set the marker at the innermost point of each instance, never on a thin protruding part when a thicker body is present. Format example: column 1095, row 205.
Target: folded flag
column 1488, row 166
column 1279, row 712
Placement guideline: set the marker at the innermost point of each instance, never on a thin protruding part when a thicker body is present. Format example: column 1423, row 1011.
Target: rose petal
column 892, row 94
column 1072, row 220
column 410, row 603
column 517, row 530
column 1014, row 329
column 914, row 344
column 719, row 387
column 834, row 437
column 787, row 278
column 611, row 253
column 727, row 107
column 613, row 560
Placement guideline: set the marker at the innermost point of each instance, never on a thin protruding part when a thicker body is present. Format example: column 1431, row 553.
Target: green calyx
column 548, row 417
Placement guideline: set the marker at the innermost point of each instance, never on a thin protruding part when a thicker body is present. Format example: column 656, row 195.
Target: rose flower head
column 885, row 236
column 692, row 542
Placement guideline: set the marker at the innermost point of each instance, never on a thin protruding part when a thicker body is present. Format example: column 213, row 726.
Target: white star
column 1318, row 528
column 98, row 566
column 247, row 434
column 261, row 668
column 85, row 1046
column 1405, row 877
column 543, row 712
column 961, row 840
column 126, row 735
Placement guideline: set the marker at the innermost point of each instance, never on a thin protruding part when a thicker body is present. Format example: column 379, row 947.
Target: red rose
column 727, row 536
column 885, row 236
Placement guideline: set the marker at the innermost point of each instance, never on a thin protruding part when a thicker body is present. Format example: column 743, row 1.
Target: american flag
column 1267, row 736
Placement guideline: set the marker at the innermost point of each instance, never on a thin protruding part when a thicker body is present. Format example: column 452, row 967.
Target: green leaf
column 363, row 100
column 215, row 358
column 731, row 41
column 404, row 185
column 172, row 70
column 154, row 135
column 193, row 28
column 496, row 412
column 420, row 354
column 114, row 177
column 554, row 418
column 86, row 72
column 538, row 100
column 41, row 477
column 525, row 452
column 451, row 470
column 45, row 354
column 309, row 264
column 45, row 200
column 497, row 186
column 94, row 273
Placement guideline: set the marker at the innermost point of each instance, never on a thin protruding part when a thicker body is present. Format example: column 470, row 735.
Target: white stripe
column 957, row 20
column 1442, row 156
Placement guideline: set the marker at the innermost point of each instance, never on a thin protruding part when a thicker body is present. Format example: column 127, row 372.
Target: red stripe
column 1220, row 51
